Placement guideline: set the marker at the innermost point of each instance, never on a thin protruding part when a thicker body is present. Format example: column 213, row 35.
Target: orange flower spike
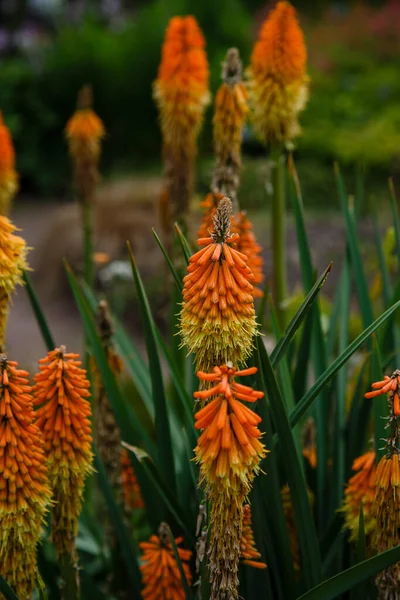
column 250, row 554
column 132, row 494
column 24, row 490
column 360, row 489
column 391, row 387
column 61, row 394
column 278, row 83
column 8, row 174
column 248, row 245
column 217, row 317
column 161, row 575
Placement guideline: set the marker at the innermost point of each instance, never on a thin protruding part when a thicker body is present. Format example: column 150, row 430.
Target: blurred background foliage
column 49, row 48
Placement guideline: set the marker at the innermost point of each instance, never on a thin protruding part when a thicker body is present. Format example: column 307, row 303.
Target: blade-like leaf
column 307, row 536
column 188, row 593
column 360, row 591
column 175, row 275
column 37, row 309
column 165, row 458
column 187, row 252
column 327, row 376
column 346, row 580
column 6, row 590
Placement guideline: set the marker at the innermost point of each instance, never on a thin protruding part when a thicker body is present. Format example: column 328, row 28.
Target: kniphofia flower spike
column 250, row 554
column 389, row 385
column 8, row 174
column 360, row 489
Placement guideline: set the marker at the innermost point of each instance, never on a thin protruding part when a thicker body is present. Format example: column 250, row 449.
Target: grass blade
column 175, row 275
column 360, row 591
column 346, row 580
column 5, row 588
column 37, row 310
column 165, row 459
column 187, row 252
column 327, row 376
column 188, row 593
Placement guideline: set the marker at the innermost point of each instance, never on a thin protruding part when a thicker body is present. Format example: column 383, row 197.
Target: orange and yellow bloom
column 250, row 554
column 360, row 490
column 278, row 82
column 218, row 318
column 8, row 174
column 24, row 488
column 249, row 246
column 61, row 394
column 130, row 487
column 161, row 576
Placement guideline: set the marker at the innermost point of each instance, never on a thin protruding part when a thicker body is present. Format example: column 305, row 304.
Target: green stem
column 278, row 236
column 87, row 223
column 70, row 577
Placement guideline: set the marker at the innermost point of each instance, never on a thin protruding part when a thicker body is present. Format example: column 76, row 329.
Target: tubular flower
column 217, row 318
column 84, row 131
column 229, row 117
column 360, row 489
column 13, row 252
column 24, row 489
column 181, row 94
column 389, row 385
column 131, row 490
column 161, row 576
column 249, row 246
column 250, row 554
column 278, row 83
column 61, row 394
column 8, row 174
column 229, row 453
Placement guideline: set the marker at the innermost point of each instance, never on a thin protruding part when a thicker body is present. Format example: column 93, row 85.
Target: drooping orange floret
column 13, row 252
column 360, row 490
column 278, row 81
column 24, row 489
column 8, row 174
column 389, row 385
column 61, row 394
column 250, row 553
column 218, row 318
column 161, row 576
column 229, row 452
column 132, row 494
column 249, row 246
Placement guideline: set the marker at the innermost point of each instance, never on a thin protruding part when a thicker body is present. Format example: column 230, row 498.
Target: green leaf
column 5, row 588
column 188, row 593
column 187, row 252
column 283, row 344
column 346, row 580
column 327, row 376
column 175, row 275
column 165, row 459
column 395, row 216
column 37, row 310
column 308, row 540
column 118, row 523
column 360, row 591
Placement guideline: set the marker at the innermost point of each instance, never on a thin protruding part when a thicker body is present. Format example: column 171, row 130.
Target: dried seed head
column 222, row 221
column 232, row 67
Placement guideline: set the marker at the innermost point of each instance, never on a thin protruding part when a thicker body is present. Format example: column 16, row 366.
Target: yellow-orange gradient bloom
column 278, row 82
column 218, row 318
column 24, row 489
column 161, row 576
column 249, row 246
column 250, row 553
column 131, row 490
column 8, row 174
column 13, row 252
column 360, row 489
column 229, row 452
column 61, row 394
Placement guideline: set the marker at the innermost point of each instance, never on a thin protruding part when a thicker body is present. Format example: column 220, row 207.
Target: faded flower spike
column 8, row 174
column 360, row 489
column 61, row 394
column 13, row 252
column 131, row 490
column 218, row 318
column 250, row 554
column 229, row 117
column 161, row 576
column 24, row 489
column 84, row 132
column 229, row 452
column 278, row 82
column 181, row 94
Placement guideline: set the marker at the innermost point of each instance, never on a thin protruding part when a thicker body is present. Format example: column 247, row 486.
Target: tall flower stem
column 70, row 578
column 278, row 234
column 87, row 227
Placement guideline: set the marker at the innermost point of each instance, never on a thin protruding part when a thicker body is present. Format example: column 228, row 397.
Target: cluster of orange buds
column 388, row 385
column 84, row 132
column 278, row 83
column 160, row 571
column 218, row 318
column 8, row 174
column 13, row 252
column 131, row 490
column 249, row 551
column 360, row 490
column 229, row 452
column 24, row 489
column 63, row 413
column 230, row 113
column 249, row 246
column 181, row 94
